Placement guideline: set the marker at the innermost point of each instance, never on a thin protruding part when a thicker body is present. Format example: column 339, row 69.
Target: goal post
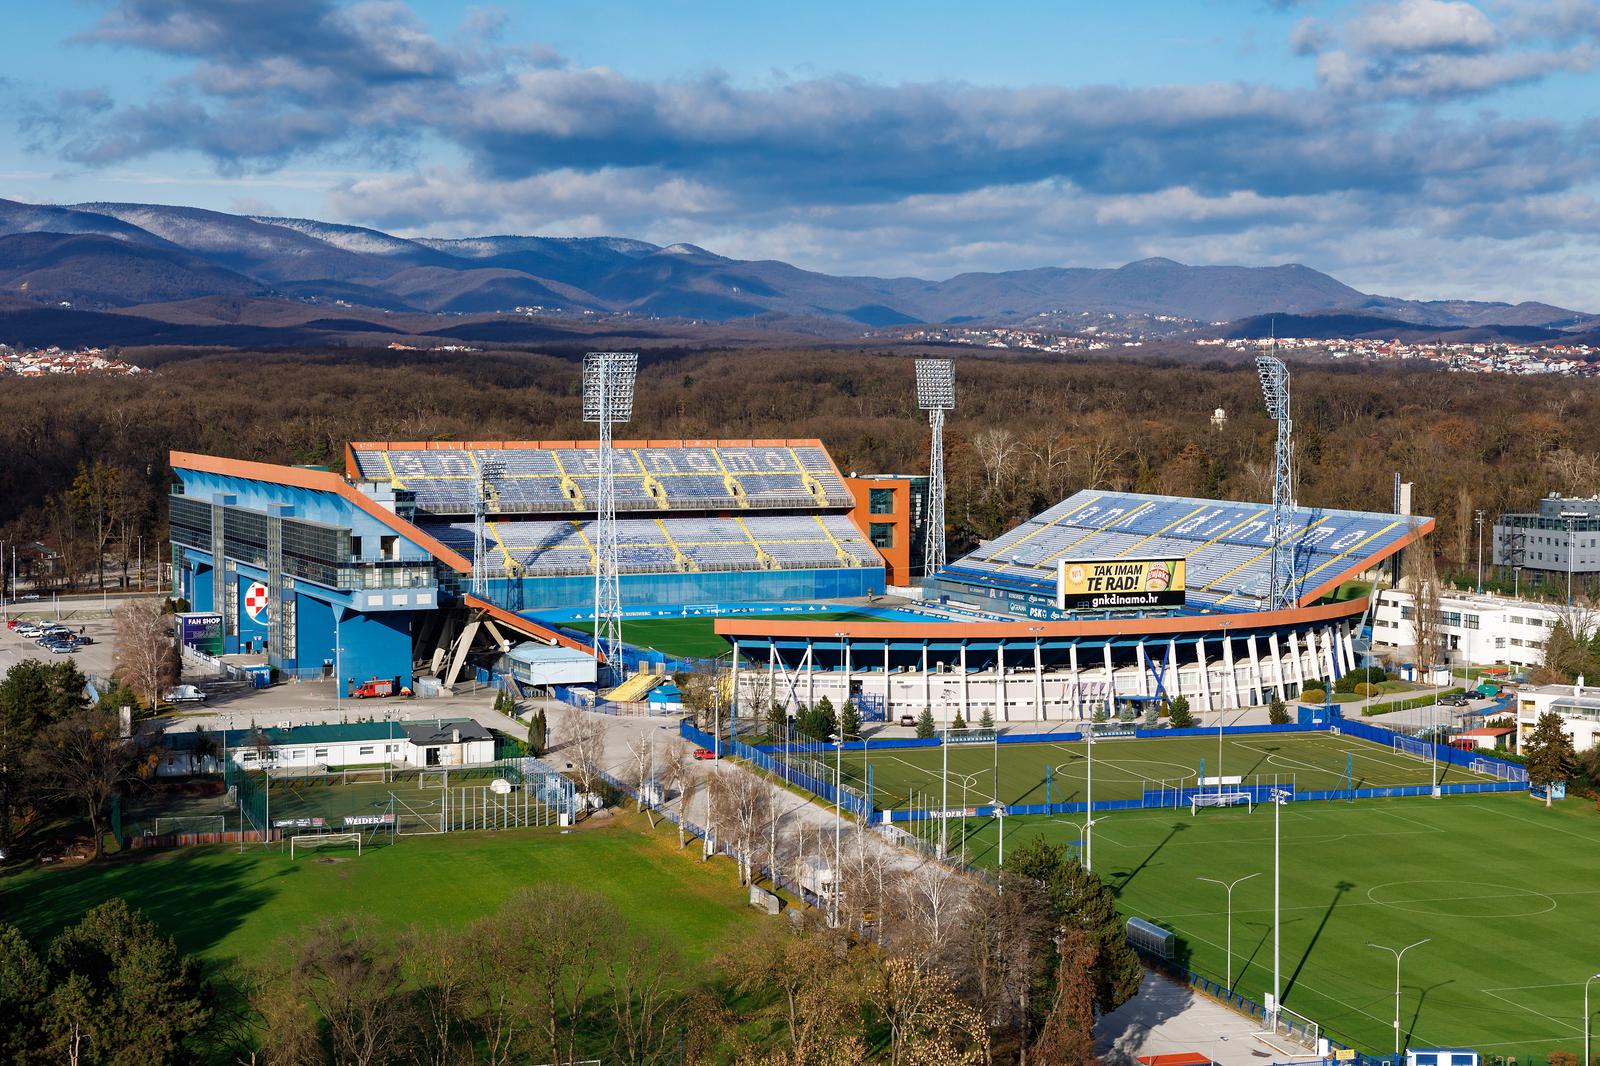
column 1294, row 1028
column 1414, row 748
column 315, row 841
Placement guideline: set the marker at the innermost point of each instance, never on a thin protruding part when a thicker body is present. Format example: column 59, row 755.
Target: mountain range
column 113, row 257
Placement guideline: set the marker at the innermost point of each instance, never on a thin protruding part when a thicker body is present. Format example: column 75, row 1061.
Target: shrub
column 1368, row 690
column 1180, row 714
column 1277, row 713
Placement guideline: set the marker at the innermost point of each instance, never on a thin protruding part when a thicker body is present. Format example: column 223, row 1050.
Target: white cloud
column 1423, row 26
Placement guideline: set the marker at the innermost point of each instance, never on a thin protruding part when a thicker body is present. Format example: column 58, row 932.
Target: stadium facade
column 370, row 574
column 998, row 637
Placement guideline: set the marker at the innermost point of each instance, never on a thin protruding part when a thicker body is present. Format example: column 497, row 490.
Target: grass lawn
column 1504, row 887
column 223, row 905
column 696, row 638
column 1123, row 767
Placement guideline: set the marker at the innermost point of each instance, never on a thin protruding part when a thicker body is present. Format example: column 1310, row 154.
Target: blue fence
column 848, row 798
column 1453, row 756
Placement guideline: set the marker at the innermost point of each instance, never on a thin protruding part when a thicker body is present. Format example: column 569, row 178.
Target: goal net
column 1294, row 1029
column 315, row 841
column 1500, row 771
column 189, row 823
column 433, row 778
column 1221, row 799
column 1414, row 748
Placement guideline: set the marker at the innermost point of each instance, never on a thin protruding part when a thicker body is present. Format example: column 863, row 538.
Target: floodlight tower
column 607, row 399
column 483, row 468
column 1275, row 388
column 936, row 394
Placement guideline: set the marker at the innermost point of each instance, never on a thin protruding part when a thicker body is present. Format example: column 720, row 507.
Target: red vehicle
column 704, row 753
column 372, row 689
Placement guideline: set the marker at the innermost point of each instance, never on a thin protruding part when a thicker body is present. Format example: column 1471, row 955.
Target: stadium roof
column 1228, row 545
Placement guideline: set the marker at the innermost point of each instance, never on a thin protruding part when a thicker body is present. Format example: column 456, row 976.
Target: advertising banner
column 202, row 632
column 1109, row 584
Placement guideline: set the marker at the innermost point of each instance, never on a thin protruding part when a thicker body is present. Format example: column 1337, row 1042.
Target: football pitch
column 1124, row 767
column 1501, row 888
column 696, row 638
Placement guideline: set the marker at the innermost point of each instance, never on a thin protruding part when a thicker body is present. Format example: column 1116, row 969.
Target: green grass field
column 1504, row 887
column 696, row 638
column 1123, row 767
column 224, row 905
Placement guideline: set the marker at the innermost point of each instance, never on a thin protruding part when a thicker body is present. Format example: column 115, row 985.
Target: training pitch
column 1503, row 887
column 1124, row 767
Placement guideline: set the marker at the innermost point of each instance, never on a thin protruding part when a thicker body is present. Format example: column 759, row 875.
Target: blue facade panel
column 313, row 633
column 375, row 646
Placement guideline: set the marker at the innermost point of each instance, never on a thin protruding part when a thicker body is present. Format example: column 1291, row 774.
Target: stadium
column 423, row 562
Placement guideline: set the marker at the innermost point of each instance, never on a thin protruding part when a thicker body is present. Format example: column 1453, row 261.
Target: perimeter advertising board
column 202, row 632
column 1110, row 584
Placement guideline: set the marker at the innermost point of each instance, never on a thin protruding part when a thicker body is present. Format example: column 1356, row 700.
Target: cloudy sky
column 1420, row 148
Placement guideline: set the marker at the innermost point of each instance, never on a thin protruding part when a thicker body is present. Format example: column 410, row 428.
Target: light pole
column 1397, row 957
column 944, row 791
column 1227, row 656
column 1478, row 520
column 838, row 798
column 1586, row 1059
column 1278, row 799
column 1569, row 562
column 1088, row 818
column 1228, row 886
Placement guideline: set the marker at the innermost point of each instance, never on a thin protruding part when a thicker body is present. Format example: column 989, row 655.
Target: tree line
column 87, row 457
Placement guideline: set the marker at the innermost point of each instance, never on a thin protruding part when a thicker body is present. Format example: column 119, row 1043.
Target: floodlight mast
column 608, row 379
column 936, row 394
column 1275, row 389
column 483, row 468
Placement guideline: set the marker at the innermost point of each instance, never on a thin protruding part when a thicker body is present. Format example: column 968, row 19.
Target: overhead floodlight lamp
column 608, row 379
column 1274, row 385
column 936, row 384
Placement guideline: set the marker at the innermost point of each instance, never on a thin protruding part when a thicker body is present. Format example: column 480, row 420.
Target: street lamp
column 1586, row 1059
column 1397, row 957
column 1279, row 798
column 1088, row 816
column 1228, row 886
column 1227, row 657
column 838, row 798
column 1478, row 520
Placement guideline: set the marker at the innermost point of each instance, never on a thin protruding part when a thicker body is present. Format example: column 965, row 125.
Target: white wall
column 1490, row 629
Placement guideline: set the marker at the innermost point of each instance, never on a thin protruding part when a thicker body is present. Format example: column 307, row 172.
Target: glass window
column 368, row 750
column 882, row 534
column 322, row 753
column 881, row 501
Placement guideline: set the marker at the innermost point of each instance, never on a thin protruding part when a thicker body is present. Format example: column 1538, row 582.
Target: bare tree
column 1068, row 1035
column 932, row 897
column 584, row 745
column 1422, row 577
column 568, row 931
column 144, row 657
column 439, row 966
column 347, row 977
column 683, row 785
column 642, row 1002
column 995, row 448
column 84, row 759
column 928, row 1022
column 745, row 812
column 642, row 773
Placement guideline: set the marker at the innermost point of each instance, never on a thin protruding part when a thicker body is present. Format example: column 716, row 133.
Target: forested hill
column 1026, row 434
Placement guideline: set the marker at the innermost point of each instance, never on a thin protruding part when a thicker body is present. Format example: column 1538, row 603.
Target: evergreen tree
column 126, row 989
column 987, row 721
column 1080, row 901
column 1277, row 713
column 959, row 725
column 33, row 695
column 827, row 721
column 850, row 720
column 1549, row 754
column 23, row 988
column 1180, row 715
column 777, row 720
column 925, row 727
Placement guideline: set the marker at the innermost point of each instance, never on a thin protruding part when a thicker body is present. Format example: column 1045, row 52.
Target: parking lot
column 94, row 660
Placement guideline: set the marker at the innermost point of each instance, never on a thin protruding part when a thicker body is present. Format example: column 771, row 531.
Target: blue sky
column 1424, row 148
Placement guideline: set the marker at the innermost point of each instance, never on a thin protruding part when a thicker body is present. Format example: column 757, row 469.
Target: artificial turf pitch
column 1123, row 768
column 1504, row 888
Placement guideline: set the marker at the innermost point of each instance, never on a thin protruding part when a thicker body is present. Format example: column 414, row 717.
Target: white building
column 1579, row 710
column 441, row 743
column 1477, row 630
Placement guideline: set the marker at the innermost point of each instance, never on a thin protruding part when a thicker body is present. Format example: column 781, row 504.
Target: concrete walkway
column 1167, row 1017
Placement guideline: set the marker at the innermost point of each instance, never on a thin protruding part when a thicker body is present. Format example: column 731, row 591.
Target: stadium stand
column 533, row 478
column 1227, row 545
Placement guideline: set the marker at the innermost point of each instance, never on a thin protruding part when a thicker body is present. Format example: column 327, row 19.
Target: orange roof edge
column 323, row 481
column 533, row 629
column 502, row 445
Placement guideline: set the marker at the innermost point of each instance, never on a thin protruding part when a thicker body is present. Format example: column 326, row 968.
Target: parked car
column 61, row 648
column 184, row 694
column 372, row 689
column 908, row 719
column 704, row 753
